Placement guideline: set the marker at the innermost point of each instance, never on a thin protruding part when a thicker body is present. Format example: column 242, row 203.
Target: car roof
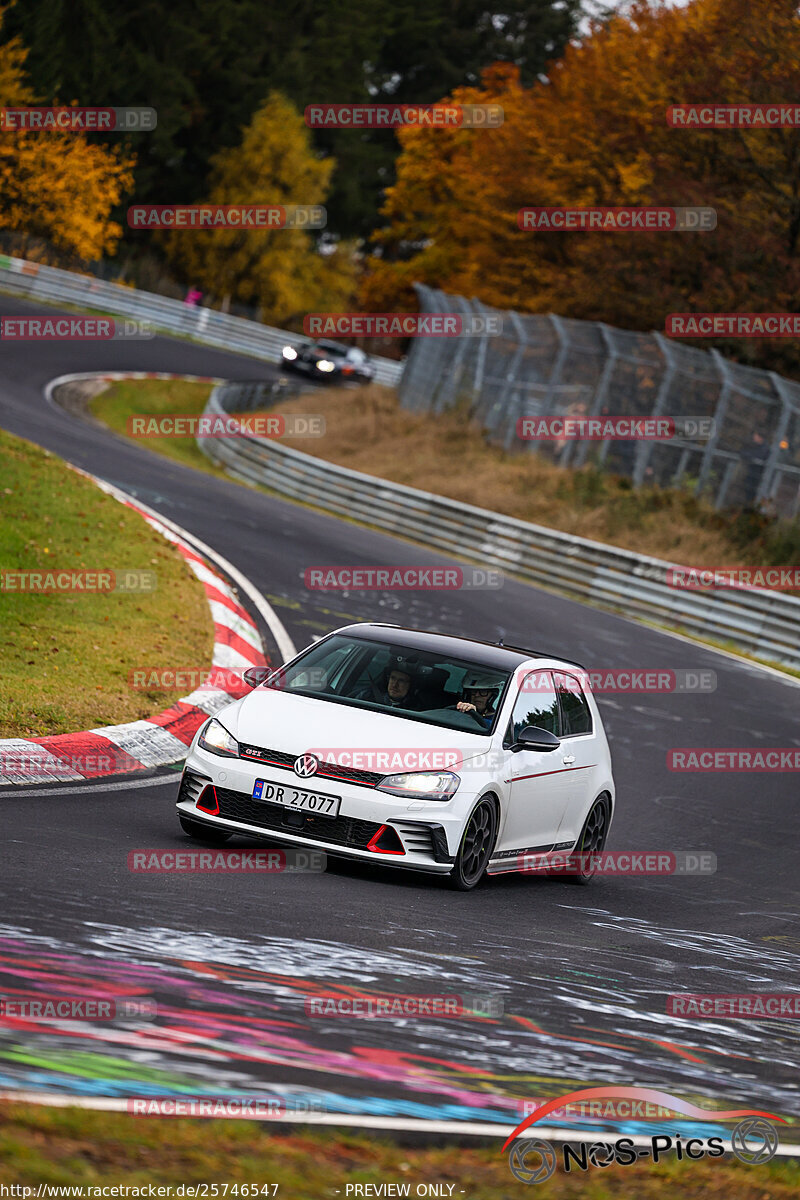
column 487, row 654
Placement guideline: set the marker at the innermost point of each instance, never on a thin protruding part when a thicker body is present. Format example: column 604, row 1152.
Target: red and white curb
column 120, row 376
column 163, row 738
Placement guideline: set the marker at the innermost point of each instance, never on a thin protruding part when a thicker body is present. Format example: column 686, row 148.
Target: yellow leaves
column 54, row 185
column 13, row 89
column 278, row 269
column 635, row 179
column 61, row 188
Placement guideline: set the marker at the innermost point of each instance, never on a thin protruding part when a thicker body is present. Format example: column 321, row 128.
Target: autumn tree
column 56, row 185
column 596, row 134
column 206, row 66
column 283, row 271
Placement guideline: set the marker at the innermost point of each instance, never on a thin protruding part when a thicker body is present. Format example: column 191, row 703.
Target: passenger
column 479, row 696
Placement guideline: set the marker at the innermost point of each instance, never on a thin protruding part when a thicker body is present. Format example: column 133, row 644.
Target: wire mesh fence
column 746, row 455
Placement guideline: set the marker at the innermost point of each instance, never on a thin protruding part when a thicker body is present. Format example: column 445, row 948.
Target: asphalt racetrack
column 583, row 973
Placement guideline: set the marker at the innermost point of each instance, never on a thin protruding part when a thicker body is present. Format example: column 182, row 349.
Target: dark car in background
column 329, row 362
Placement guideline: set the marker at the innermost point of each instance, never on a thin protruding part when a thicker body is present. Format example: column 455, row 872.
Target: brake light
column 386, row 841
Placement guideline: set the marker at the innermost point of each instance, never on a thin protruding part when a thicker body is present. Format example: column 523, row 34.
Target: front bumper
column 363, row 812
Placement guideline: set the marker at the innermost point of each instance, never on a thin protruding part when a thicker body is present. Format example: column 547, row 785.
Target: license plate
column 292, row 797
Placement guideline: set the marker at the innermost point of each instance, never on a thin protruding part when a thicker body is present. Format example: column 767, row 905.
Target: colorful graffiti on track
column 222, row 1025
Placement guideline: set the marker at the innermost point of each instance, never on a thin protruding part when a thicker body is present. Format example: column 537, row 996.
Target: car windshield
column 332, row 349
column 418, row 685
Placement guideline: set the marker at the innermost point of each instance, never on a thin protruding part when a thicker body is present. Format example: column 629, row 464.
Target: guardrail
column 36, row 281
column 761, row 623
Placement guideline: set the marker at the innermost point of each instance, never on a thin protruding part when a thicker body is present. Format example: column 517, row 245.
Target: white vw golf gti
column 418, row 750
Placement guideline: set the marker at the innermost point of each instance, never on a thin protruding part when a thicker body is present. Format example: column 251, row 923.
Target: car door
column 538, row 790
column 578, row 753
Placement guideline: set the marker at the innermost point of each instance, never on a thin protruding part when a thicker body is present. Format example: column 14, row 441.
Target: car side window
column 326, row 673
column 576, row 716
column 536, row 704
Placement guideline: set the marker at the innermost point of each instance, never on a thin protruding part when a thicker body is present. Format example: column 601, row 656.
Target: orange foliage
column 57, row 185
column 596, row 133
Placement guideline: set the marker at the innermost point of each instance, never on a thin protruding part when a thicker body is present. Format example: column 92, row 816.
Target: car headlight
column 326, row 365
column 289, row 352
column 216, row 738
column 421, row 785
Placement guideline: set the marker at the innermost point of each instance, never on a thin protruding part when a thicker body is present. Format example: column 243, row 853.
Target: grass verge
column 67, row 657
column 368, row 431
column 156, row 397
column 79, row 1147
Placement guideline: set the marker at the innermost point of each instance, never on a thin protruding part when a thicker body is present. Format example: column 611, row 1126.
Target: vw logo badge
column 305, row 765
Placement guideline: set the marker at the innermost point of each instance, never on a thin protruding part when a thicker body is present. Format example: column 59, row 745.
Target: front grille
column 328, row 770
column 341, row 831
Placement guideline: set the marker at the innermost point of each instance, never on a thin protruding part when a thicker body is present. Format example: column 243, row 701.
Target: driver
column 396, row 688
column 479, row 695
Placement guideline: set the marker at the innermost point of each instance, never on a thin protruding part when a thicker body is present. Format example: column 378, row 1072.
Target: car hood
column 296, row 724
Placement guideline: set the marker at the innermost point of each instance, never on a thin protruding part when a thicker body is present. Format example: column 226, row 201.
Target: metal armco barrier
column 761, row 623
column 38, row 282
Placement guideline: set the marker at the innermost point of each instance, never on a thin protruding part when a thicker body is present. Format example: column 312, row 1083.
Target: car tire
column 204, row 833
column 592, row 839
column 477, row 844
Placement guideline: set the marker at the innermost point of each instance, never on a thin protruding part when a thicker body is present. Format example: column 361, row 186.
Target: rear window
column 576, row 716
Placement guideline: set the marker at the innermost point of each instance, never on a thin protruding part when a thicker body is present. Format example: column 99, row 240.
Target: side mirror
column 534, row 738
column 253, row 676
